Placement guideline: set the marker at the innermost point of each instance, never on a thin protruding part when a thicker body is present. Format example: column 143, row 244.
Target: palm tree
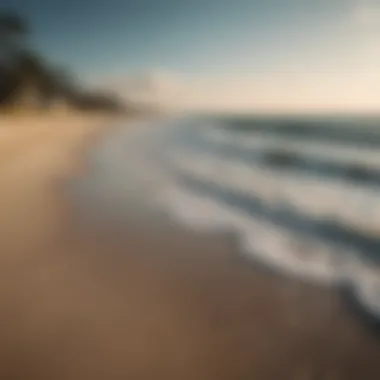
column 28, row 80
column 13, row 32
column 25, row 74
column 13, row 23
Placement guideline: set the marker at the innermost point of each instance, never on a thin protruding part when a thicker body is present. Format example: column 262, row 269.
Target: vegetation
column 28, row 80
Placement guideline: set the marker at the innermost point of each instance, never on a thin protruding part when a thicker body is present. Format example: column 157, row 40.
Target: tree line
column 28, row 76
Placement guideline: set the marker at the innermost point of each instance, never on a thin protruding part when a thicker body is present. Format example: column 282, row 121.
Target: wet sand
column 147, row 300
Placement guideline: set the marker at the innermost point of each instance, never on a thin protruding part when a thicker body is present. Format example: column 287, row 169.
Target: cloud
column 155, row 86
column 350, row 90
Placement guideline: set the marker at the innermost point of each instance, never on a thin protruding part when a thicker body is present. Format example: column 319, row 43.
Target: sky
column 231, row 55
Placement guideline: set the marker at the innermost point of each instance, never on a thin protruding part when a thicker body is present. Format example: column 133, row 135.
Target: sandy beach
column 146, row 301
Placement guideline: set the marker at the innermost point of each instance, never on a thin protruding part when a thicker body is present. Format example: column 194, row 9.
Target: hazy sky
column 230, row 54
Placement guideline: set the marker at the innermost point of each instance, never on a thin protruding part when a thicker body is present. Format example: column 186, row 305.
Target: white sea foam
column 277, row 247
column 137, row 164
column 369, row 157
column 289, row 253
column 350, row 205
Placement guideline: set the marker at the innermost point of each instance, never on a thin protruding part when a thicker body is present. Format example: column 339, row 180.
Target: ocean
column 301, row 194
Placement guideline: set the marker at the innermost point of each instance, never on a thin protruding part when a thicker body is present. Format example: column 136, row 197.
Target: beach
column 142, row 299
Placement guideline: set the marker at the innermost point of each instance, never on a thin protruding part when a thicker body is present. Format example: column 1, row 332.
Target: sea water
column 302, row 194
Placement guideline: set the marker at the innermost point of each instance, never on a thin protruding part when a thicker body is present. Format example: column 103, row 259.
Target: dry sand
column 152, row 302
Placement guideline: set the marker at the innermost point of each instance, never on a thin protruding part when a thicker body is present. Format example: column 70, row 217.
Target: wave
column 288, row 250
column 315, row 231
column 292, row 254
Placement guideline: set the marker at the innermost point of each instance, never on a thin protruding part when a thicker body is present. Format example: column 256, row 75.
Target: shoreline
column 239, row 307
column 148, row 299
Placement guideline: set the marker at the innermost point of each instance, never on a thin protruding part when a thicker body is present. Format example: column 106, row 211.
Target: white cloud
column 352, row 90
column 155, row 86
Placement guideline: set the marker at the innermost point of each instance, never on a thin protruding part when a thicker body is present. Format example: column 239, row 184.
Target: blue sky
column 233, row 54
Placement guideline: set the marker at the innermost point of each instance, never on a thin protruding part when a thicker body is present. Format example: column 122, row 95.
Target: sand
column 146, row 301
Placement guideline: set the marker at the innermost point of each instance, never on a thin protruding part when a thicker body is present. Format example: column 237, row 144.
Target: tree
column 28, row 79
column 23, row 72
column 13, row 23
column 13, row 32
